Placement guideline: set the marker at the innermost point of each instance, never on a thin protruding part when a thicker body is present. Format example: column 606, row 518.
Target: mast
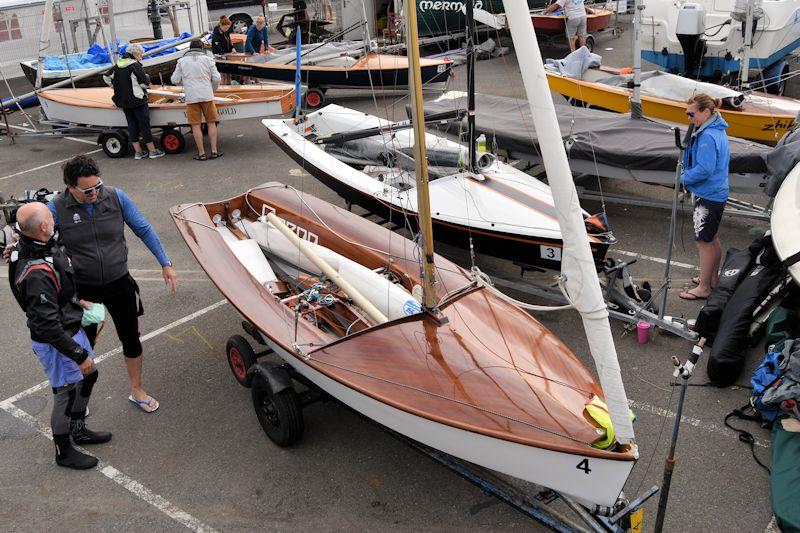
column 636, row 99
column 577, row 266
column 420, row 158
column 744, row 67
column 44, row 42
column 470, row 82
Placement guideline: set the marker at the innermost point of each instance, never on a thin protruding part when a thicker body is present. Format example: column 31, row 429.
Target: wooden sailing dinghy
column 492, row 386
column 785, row 223
column 600, row 19
column 93, row 106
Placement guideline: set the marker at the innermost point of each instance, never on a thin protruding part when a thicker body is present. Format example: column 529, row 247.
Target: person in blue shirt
column 256, row 36
column 705, row 175
column 91, row 219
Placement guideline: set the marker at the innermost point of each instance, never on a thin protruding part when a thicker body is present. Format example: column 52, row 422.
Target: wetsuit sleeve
column 142, row 228
column 51, row 205
column 705, row 162
column 41, row 307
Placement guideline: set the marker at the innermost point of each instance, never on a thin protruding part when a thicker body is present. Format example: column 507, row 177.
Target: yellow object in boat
column 598, row 413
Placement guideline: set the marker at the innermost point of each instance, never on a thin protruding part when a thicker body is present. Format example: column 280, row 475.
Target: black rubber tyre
column 279, row 414
column 780, row 87
column 240, row 358
column 172, row 141
column 114, row 144
column 315, row 98
column 240, row 22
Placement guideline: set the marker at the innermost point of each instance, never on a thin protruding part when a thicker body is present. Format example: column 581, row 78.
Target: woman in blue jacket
column 705, row 175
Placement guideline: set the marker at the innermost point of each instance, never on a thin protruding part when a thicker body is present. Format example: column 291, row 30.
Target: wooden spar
column 374, row 314
column 420, row 158
column 44, row 42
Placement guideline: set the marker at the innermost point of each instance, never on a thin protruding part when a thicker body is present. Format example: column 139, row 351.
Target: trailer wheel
column 172, row 141
column 780, row 87
column 240, row 358
column 314, row 98
column 279, row 414
column 114, row 144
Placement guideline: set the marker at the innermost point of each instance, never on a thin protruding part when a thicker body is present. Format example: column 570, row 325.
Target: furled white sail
column 577, row 267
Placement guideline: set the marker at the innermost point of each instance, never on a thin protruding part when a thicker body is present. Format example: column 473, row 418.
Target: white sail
column 577, row 265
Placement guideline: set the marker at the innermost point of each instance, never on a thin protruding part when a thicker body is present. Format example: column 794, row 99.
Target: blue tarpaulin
column 97, row 56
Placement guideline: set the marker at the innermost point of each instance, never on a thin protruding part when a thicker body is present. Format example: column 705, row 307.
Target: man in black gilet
column 91, row 220
column 40, row 275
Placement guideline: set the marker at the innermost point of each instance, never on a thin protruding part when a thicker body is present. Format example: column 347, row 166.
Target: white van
column 80, row 23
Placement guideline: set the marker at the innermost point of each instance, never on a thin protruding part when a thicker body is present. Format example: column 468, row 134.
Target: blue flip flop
column 145, row 405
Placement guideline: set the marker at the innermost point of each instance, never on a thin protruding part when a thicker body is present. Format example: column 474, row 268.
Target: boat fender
column 277, row 377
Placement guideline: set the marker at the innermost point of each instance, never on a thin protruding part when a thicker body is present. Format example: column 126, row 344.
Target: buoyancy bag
column 729, row 351
column 735, row 268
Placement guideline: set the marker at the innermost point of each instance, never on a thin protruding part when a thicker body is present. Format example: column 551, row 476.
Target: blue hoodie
column 705, row 162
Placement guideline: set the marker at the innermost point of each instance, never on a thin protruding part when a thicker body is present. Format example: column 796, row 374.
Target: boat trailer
column 279, row 408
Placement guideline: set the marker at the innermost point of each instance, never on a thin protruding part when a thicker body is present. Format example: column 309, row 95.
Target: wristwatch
column 168, row 264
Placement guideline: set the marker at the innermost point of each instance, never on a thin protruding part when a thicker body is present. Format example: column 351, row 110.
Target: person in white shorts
column 575, row 24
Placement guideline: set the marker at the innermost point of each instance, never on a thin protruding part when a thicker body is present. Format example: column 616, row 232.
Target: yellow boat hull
column 764, row 118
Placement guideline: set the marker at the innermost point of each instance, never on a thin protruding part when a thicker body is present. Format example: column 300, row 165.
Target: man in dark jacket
column 91, row 220
column 40, row 275
column 130, row 83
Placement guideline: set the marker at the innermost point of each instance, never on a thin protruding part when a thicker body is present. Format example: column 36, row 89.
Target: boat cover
column 574, row 64
column 334, row 54
column 589, row 134
column 781, row 160
column 98, row 56
column 672, row 87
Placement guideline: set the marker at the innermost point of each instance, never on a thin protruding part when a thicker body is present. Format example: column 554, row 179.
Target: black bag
column 735, row 268
column 728, row 354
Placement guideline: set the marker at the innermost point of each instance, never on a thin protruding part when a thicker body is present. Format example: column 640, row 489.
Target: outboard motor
column 690, row 27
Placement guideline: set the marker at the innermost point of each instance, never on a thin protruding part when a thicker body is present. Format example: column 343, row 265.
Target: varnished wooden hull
column 555, row 24
column 491, row 386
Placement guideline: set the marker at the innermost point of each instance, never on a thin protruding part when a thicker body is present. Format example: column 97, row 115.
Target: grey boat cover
column 609, row 138
column 781, row 160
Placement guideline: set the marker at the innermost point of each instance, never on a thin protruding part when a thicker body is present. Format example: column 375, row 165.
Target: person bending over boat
column 41, row 278
column 221, row 44
column 91, row 220
column 257, row 40
column 575, row 23
column 705, row 175
column 130, row 83
column 198, row 73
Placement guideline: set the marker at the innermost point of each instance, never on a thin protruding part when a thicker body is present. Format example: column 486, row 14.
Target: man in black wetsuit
column 41, row 280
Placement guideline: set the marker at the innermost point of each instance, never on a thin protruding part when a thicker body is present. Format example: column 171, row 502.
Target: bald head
column 35, row 221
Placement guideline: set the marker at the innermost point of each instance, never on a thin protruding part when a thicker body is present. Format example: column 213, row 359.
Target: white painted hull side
column 455, row 199
column 785, row 221
column 159, row 117
column 556, row 470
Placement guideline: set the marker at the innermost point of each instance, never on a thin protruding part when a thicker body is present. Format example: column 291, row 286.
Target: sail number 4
column 584, row 465
column 553, row 253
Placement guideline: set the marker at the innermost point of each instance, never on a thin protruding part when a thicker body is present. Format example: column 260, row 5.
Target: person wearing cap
column 130, row 83
column 198, row 73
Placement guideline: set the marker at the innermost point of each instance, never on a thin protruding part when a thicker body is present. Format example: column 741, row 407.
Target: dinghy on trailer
column 504, row 211
column 519, row 409
column 785, row 223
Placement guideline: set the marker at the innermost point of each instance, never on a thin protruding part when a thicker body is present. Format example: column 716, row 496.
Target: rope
column 483, row 280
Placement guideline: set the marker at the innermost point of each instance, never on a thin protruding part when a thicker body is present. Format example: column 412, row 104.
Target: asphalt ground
column 202, row 460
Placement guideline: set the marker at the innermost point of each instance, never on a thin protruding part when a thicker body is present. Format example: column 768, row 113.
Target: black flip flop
column 200, row 157
column 215, row 155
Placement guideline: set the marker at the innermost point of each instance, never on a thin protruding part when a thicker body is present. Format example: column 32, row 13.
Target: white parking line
column 21, row 172
column 654, row 259
column 118, row 349
column 121, row 479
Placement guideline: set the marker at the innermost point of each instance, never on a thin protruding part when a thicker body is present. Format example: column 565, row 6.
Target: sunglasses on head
column 93, row 188
column 690, row 114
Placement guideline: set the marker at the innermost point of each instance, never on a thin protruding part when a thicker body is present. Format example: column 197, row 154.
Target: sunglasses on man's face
column 690, row 114
column 92, row 189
